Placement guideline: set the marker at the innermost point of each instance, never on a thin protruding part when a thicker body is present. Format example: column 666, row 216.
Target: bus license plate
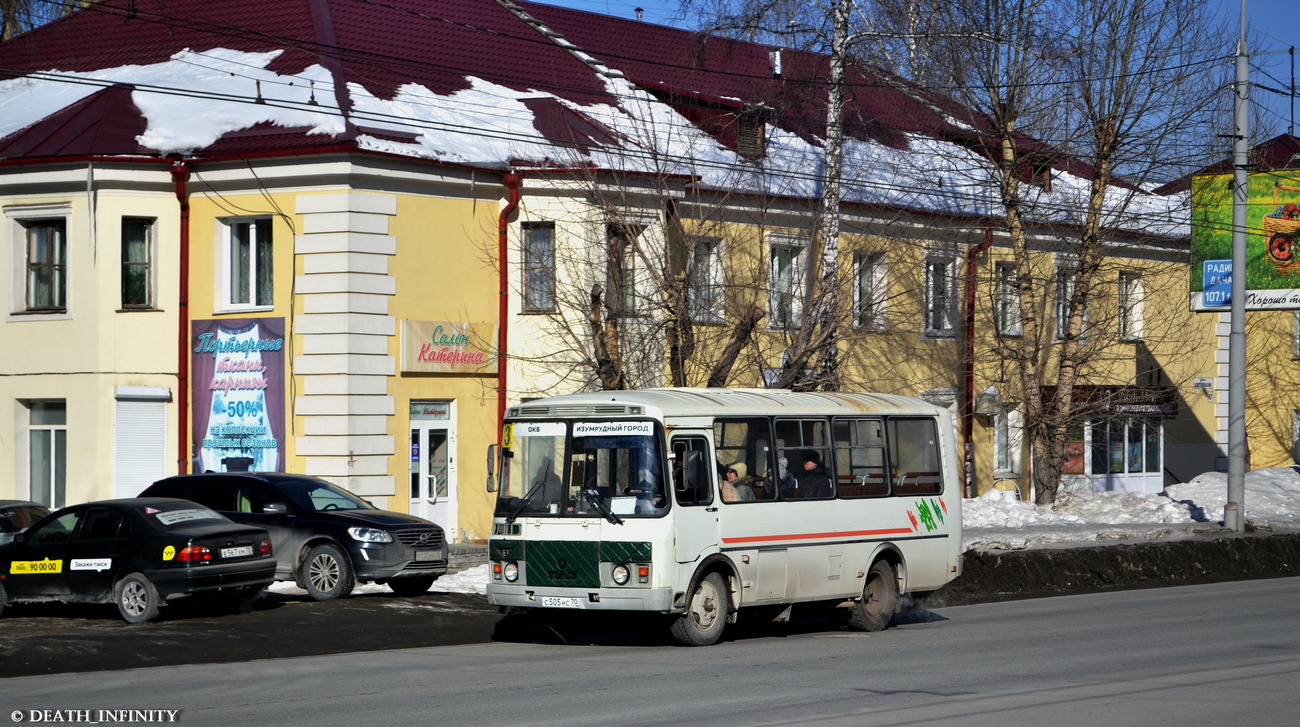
column 242, row 551
column 557, row 602
column 426, row 554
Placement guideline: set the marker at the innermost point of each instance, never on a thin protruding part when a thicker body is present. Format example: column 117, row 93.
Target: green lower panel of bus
column 567, row 562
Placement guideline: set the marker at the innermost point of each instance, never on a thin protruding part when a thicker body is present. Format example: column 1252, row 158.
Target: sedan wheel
column 136, row 599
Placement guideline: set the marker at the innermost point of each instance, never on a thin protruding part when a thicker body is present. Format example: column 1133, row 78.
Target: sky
column 1272, row 501
column 1274, row 28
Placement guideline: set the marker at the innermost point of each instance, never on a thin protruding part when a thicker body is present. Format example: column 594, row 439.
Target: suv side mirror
column 275, row 508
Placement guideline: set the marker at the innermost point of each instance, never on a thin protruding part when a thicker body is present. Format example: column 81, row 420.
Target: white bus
column 698, row 503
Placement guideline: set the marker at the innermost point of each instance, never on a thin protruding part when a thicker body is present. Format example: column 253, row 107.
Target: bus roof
column 687, row 402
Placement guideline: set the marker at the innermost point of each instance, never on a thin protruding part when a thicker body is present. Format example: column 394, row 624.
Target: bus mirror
column 491, row 468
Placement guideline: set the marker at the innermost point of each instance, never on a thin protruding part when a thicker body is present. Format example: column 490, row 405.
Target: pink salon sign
column 448, row 347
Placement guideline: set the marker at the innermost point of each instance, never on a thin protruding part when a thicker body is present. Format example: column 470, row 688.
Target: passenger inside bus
column 737, row 484
column 648, row 492
column 810, row 482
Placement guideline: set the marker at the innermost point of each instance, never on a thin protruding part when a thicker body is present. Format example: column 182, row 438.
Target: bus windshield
column 614, row 470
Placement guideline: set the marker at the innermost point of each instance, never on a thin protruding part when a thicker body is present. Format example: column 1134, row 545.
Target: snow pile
column 1272, row 502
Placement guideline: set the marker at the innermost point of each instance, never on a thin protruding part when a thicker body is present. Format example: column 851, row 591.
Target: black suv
column 325, row 538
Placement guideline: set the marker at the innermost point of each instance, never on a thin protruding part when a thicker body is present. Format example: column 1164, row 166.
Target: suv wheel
column 326, row 573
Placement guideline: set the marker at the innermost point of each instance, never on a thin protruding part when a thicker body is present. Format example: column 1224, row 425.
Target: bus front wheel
column 879, row 600
column 706, row 613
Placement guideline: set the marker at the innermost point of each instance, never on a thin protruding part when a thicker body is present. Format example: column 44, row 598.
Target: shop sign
column 448, row 347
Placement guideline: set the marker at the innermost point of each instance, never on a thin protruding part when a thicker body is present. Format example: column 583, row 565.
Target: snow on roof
column 475, row 82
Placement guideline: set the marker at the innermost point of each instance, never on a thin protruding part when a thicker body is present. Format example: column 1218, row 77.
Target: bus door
column 695, row 518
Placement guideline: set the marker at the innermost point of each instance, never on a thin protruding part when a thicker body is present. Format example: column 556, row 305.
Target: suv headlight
column 370, row 535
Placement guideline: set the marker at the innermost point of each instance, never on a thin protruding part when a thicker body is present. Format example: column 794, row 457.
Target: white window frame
column 1008, row 440
column 1295, row 334
column 1295, row 436
column 150, row 225
column 707, row 279
column 939, row 311
column 870, row 275
column 1132, row 298
column 787, row 281
column 20, row 218
column 255, row 274
column 537, row 272
column 58, row 457
column 1006, row 300
column 1065, row 285
column 621, row 294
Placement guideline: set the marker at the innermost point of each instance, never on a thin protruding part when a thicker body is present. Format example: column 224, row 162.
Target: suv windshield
column 319, row 496
column 614, row 470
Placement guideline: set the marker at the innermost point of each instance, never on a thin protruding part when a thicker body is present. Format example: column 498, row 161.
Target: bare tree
column 1117, row 87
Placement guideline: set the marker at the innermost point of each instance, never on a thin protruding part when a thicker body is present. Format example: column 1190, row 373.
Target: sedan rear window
column 181, row 515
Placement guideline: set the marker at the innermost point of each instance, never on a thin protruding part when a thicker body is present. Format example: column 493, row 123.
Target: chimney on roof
column 638, row 13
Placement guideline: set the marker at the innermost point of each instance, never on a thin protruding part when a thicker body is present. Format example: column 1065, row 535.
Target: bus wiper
column 593, row 496
column 528, row 496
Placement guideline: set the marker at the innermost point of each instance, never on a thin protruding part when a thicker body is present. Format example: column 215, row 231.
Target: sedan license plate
column 242, row 551
column 427, row 555
column 558, row 602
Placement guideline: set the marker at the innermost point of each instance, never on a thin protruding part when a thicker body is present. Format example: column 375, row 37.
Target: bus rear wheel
column 879, row 600
column 706, row 613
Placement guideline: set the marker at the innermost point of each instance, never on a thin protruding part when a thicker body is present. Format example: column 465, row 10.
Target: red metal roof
column 696, row 64
column 104, row 123
column 378, row 45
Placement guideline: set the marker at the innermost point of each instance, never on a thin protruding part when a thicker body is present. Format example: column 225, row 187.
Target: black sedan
column 326, row 538
column 18, row 515
column 136, row 553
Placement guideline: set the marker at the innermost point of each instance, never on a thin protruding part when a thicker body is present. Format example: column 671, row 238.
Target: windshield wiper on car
column 528, row 496
column 593, row 496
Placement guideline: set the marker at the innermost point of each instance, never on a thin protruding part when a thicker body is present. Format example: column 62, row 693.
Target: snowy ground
column 1272, row 503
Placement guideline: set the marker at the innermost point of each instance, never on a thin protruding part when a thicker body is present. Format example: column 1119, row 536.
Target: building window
column 787, row 284
column 940, row 294
column 869, row 291
column 1065, row 280
column 620, row 270
column 1006, row 300
column 47, row 265
column 47, row 452
column 539, row 267
column 1295, row 436
column 137, row 262
column 248, row 264
column 1131, row 294
column 1126, row 445
column 1008, row 433
column 1295, row 334
column 706, row 279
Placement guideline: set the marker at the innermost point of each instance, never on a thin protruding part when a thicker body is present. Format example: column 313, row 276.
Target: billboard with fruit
column 1272, row 241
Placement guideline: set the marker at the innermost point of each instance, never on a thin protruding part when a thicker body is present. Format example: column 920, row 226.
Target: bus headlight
column 511, row 572
column 621, row 574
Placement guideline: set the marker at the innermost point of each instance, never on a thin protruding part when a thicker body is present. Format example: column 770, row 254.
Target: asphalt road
column 48, row 639
column 1216, row 654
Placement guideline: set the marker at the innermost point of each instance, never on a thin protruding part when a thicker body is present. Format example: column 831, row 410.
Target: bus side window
column 691, row 479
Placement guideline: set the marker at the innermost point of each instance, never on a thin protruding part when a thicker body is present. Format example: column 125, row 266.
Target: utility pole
column 1234, row 509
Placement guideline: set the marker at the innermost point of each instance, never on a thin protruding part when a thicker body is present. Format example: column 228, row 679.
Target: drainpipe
column 180, row 175
column 511, row 180
column 968, row 395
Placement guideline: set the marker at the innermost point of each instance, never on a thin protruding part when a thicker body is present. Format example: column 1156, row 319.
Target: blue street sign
column 1216, row 286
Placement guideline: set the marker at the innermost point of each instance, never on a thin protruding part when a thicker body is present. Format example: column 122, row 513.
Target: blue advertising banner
column 238, row 392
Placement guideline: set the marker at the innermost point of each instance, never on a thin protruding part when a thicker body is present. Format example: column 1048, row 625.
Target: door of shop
column 433, row 463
